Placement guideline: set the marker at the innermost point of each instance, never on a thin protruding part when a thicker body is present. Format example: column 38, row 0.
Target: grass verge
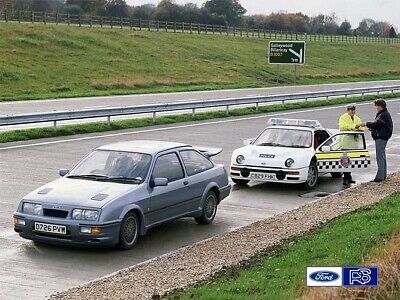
column 67, row 130
column 388, row 262
column 280, row 274
column 48, row 61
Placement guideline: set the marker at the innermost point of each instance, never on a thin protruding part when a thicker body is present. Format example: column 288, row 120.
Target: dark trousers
column 380, row 148
column 347, row 176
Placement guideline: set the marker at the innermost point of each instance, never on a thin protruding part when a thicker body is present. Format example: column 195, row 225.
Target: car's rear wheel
column 240, row 182
column 129, row 231
column 336, row 174
column 312, row 176
column 209, row 209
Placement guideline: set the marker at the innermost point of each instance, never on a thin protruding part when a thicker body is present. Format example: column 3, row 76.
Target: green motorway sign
column 287, row 52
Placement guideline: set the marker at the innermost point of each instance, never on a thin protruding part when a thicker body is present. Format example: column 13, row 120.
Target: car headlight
column 240, row 159
column 85, row 214
column 289, row 162
column 32, row 208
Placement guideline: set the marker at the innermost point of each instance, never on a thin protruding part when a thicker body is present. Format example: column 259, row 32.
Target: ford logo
column 324, row 276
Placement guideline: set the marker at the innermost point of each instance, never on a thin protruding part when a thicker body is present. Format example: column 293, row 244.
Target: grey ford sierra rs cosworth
column 119, row 191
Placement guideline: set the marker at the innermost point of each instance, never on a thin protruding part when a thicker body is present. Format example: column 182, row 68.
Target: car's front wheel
column 312, row 176
column 129, row 231
column 240, row 182
column 209, row 209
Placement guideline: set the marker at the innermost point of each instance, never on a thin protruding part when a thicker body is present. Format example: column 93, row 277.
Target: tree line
column 216, row 12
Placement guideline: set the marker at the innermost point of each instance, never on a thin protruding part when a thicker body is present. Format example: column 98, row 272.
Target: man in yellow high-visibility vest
column 349, row 122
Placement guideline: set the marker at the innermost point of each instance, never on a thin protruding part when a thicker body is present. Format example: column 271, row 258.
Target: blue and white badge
column 360, row 276
column 324, row 276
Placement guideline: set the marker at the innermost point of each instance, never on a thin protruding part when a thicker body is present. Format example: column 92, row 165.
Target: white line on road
column 98, row 106
column 177, row 127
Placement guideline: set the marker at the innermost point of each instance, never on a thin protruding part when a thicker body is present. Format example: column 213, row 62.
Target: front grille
column 55, row 236
column 264, row 171
column 55, row 213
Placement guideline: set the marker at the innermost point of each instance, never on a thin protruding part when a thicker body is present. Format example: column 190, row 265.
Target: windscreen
column 113, row 164
column 282, row 137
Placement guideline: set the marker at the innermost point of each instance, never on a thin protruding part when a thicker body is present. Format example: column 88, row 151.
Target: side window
column 346, row 141
column 320, row 136
column 168, row 166
column 195, row 162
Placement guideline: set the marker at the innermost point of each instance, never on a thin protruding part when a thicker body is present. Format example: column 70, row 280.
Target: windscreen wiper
column 88, row 176
column 125, row 179
column 268, row 144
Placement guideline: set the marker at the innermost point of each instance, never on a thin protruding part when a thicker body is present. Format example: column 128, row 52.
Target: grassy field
column 46, row 61
column 348, row 240
column 66, row 130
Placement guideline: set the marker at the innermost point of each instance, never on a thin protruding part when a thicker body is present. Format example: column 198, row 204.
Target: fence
column 179, row 106
column 193, row 28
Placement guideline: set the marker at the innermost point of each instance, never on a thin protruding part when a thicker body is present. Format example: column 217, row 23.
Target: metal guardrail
column 7, row 120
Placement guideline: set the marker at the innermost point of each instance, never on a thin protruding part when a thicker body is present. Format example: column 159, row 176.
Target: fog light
column 95, row 230
column 91, row 230
column 18, row 221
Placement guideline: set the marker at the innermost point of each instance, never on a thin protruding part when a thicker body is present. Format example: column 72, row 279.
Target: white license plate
column 262, row 176
column 50, row 228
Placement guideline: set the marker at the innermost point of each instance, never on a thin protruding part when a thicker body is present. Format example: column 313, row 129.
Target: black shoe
column 351, row 181
column 378, row 180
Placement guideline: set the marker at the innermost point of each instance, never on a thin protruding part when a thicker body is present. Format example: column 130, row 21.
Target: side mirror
column 248, row 142
column 326, row 148
column 63, row 172
column 158, row 182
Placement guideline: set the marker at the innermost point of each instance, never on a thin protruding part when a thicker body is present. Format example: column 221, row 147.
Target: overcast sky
column 353, row 10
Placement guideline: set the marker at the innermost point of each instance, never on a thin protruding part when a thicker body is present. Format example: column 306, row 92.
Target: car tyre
column 336, row 174
column 209, row 209
column 312, row 176
column 129, row 231
column 241, row 182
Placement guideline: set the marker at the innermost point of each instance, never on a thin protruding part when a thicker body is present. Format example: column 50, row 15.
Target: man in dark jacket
column 381, row 131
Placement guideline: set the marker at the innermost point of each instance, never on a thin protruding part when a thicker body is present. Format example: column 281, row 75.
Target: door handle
column 185, row 182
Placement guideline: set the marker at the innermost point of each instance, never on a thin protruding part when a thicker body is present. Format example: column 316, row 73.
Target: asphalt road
column 28, row 271
column 22, row 107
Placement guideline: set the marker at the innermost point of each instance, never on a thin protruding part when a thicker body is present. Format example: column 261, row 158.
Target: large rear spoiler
column 208, row 151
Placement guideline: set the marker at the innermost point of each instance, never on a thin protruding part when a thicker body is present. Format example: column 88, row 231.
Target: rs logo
column 361, row 276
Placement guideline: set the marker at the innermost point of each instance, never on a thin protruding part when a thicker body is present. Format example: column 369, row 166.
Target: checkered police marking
column 335, row 164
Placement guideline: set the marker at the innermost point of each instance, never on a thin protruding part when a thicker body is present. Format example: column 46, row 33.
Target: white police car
column 298, row 151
